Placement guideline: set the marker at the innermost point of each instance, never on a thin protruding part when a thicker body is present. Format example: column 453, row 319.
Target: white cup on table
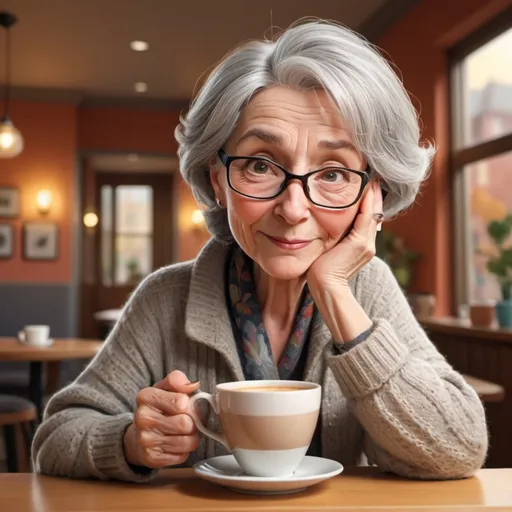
column 35, row 335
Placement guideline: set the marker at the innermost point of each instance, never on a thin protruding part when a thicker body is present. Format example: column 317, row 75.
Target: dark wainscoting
column 486, row 354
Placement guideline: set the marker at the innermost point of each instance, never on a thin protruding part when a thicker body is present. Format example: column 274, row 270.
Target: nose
column 293, row 205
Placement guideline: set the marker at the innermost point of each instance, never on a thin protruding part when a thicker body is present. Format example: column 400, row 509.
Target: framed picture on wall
column 6, row 241
column 40, row 241
column 9, row 202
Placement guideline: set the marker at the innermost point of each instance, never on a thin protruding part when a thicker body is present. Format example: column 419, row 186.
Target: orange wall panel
column 124, row 129
column 47, row 162
column 190, row 238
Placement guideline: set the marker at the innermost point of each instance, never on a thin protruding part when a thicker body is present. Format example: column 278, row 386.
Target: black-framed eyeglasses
column 259, row 177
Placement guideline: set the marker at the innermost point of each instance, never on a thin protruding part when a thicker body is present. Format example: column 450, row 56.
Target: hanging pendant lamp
column 11, row 140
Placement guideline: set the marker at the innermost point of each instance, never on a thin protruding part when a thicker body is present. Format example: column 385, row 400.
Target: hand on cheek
column 339, row 264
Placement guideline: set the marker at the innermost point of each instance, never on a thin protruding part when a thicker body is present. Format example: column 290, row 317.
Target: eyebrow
column 267, row 137
column 337, row 144
column 271, row 138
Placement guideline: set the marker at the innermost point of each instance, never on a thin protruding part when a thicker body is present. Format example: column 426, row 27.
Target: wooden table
column 62, row 349
column 107, row 319
column 176, row 490
column 487, row 391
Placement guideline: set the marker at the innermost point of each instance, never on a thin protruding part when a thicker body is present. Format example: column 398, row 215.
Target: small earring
column 219, row 203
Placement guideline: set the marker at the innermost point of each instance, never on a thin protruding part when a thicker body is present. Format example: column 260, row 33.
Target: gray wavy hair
column 371, row 99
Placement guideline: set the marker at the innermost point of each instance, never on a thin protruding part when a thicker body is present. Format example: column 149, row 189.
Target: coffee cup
column 34, row 335
column 267, row 425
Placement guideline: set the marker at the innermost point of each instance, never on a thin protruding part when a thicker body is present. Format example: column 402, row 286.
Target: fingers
column 178, row 382
column 163, row 433
column 158, row 450
column 378, row 205
column 166, row 402
column 146, row 418
column 365, row 229
column 168, row 444
column 156, row 458
column 378, row 201
column 367, row 203
column 370, row 214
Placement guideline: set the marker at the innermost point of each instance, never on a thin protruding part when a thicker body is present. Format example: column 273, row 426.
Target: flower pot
column 482, row 313
column 504, row 313
column 423, row 305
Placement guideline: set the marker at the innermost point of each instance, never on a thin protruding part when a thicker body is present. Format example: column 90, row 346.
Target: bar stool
column 17, row 416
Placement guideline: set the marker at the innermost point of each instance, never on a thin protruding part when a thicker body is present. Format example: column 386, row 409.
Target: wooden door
column 133, row 238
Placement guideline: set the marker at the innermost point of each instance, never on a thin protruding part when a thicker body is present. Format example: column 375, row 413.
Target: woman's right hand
column 162, row 433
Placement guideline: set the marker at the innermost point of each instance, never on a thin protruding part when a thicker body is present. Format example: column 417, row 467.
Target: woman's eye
column 259, row 167
column 332, row 176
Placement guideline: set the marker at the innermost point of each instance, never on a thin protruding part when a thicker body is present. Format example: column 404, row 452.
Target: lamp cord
column 7, row 73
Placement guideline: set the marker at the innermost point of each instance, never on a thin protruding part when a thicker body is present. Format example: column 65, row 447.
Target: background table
column 179, row 490
column 62, row 349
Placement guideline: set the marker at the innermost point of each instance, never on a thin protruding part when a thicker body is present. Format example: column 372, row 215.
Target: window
column 482, row 152
column 127, row 233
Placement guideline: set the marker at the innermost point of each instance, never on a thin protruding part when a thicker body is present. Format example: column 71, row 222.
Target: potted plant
column 392, row 250
column 500, row 264
column 401, row 259
column 133, row 270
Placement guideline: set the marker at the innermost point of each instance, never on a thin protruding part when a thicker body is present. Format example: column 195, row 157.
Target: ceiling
column 82, row 46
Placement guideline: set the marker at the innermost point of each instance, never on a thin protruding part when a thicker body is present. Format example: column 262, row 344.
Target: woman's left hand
column 337, row 266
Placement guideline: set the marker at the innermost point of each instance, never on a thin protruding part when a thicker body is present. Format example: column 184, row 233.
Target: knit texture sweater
column 393, row 400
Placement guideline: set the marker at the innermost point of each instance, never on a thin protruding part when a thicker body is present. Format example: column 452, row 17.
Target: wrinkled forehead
column 313, row 108
column 280, row 117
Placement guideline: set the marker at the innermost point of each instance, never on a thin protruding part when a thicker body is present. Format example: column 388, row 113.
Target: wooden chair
column 18, row 420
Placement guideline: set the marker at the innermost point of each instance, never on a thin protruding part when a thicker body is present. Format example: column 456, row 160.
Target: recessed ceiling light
column 139, row 46
column 140, row 86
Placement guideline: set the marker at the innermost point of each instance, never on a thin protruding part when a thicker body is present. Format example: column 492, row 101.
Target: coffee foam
column 269, row 389
column 285, row 403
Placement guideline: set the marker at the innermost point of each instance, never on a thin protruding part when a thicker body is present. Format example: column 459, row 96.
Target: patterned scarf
column 252, row 338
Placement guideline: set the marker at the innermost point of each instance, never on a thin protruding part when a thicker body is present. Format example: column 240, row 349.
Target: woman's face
column 302, row 131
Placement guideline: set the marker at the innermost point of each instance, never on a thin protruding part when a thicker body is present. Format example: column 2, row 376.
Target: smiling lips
column 284, row 243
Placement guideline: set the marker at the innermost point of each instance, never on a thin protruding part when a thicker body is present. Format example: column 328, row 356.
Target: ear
column 215, row 176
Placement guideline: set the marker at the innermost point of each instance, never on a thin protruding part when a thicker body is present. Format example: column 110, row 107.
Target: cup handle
column 220, row 438
column 21, row 337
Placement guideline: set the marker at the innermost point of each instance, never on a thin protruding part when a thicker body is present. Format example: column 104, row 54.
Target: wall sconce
column 197, row 220
column 90, row 220
column 44, row 201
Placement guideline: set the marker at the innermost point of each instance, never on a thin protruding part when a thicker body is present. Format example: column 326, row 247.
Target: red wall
column 127, row 129
column 47, row 162
column 418, row 46
column 53, row 134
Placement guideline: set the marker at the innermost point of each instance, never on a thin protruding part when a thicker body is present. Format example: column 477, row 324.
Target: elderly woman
column 289, row 144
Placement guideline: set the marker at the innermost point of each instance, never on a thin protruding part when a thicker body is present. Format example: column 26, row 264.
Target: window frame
column 461, row 156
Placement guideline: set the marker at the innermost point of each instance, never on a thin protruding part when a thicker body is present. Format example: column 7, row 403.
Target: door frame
column 89, row 271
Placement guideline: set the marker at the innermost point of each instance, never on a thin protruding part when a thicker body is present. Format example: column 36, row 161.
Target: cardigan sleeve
column 83, row 427
column 421, row 419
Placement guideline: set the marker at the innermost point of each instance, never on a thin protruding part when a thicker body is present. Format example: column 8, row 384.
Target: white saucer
column 47, row 343
column 225, row 471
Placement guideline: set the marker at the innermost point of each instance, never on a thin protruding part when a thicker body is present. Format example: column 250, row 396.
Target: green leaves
column 500, row 230
column 501, row 265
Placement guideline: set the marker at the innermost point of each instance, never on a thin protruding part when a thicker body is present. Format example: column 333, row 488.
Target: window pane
column 134, row 209
column 487, row 95
column 489, row 198
column 134, row 258
column 106, row 214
